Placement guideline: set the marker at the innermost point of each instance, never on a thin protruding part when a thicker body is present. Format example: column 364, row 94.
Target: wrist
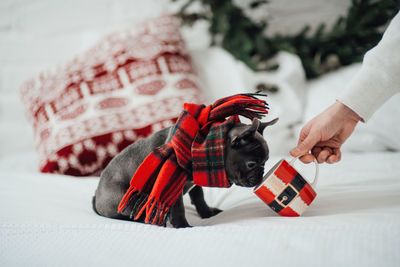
column 346, row 112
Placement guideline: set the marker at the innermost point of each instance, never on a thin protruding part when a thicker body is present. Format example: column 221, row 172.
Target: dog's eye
column 251, row 164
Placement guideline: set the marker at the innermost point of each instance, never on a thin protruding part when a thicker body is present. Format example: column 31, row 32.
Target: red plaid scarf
column 197, row 148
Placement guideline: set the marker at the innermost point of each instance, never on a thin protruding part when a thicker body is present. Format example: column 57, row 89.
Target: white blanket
column 47, row 220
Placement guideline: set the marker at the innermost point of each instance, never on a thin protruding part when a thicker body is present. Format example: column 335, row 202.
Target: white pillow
column 222, row 75
column 380, row 133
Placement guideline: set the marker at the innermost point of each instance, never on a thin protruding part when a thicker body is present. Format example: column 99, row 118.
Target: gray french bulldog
column 245, row 157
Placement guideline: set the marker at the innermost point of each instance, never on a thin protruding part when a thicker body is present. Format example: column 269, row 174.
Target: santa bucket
column 285, row 190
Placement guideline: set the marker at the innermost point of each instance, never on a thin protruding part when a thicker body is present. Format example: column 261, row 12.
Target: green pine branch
column 344, row 43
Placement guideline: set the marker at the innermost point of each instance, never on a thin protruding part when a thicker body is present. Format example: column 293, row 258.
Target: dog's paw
column 209, row 212
column 181, row 225
column 184, row 226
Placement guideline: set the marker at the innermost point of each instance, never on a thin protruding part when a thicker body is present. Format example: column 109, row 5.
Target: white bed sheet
column 47, row 220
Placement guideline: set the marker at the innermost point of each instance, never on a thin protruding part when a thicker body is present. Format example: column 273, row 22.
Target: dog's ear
column 263, row 125
column 243, row 137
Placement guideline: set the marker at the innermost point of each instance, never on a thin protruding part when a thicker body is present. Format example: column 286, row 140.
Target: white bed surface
column 355, row 220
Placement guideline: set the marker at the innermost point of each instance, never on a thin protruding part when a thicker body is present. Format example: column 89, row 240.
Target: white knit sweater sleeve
column 379, row 76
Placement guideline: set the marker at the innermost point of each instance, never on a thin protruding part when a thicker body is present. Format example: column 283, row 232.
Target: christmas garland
column 344, row 43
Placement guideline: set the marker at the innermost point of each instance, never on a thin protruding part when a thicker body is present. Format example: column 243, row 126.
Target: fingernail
column 295, row 151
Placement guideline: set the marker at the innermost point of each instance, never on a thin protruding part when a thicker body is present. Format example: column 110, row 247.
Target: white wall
column 38, row 34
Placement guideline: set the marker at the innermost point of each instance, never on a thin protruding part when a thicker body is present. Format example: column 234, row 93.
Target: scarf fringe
column 155, row 212
column 247, row 105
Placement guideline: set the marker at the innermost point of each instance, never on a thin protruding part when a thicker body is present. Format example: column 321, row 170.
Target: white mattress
column 47, row 220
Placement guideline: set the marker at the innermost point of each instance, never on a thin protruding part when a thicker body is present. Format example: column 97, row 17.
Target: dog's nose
column 253, row 181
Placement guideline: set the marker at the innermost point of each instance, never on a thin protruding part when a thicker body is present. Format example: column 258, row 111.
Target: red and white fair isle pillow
column 129, row 85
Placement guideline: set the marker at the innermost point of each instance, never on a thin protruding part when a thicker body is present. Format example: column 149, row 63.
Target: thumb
column 304, row 146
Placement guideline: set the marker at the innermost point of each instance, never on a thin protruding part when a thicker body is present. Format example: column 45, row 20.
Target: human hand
column 324, row 135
